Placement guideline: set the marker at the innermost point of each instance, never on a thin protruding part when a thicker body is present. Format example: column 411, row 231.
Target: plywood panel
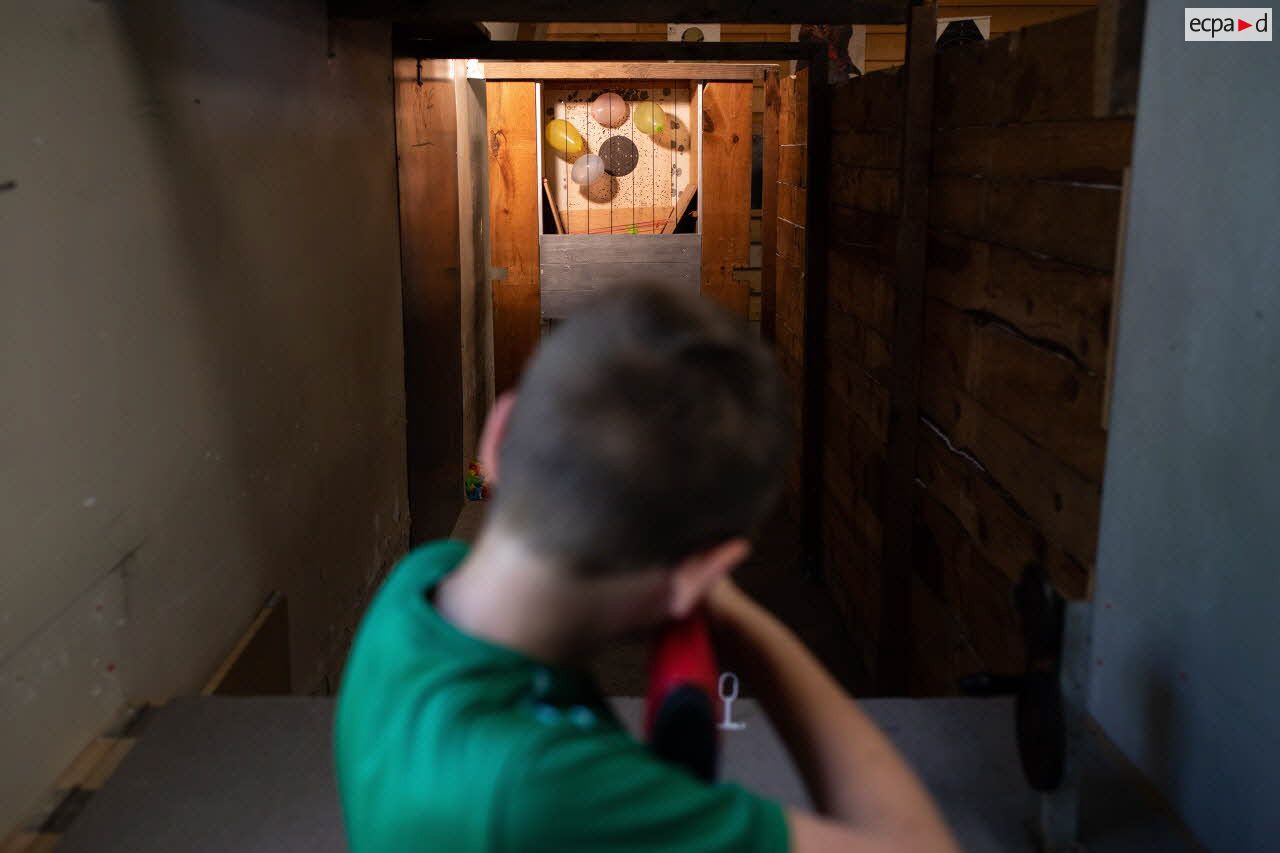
column 514, row 218
column 725, row 197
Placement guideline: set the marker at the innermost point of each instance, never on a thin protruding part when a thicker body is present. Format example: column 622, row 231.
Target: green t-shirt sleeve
column 605, row 792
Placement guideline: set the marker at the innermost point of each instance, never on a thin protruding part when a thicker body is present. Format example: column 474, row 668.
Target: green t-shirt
column 447, row 742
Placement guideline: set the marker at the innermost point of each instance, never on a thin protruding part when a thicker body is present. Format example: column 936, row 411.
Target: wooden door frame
column 406, row 43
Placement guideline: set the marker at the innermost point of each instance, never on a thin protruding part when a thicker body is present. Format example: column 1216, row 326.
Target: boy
column 645, row 442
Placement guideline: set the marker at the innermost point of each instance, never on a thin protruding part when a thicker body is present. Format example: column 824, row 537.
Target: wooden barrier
column 1024, row 205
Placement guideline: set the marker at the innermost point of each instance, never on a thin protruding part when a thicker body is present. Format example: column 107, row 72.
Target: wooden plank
column 576, row 267
column 587, row 276
column 1076, row 223
column 769, row 177
column 1061, row 305
column 555, row 208
column 514, row 216
column 936, row 649
column 1061, row 503
column 1092, row 152
column 725, row 196
column 655, row 11
column 791, row 164
column 997, row 526
column 513, row 70
column 909, row 269
column 872, row 190
column 1050, row 399
column 431, row 291
column 978, row 596
column 621, row 248
column 259, row 663
column 861, row 285
column 792, row 203
column 870, row 149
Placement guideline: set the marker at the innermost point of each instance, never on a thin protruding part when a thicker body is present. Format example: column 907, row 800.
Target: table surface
column 215, row 774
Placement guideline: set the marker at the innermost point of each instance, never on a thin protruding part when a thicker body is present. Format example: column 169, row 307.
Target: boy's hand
column 726, row 600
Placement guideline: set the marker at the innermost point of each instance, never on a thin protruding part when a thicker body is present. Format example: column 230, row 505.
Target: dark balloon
column 619, row 155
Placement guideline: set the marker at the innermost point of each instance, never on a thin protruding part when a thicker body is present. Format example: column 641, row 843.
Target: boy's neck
column 505, row 594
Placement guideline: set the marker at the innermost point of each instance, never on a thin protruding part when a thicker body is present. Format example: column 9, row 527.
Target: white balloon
column 587, row 169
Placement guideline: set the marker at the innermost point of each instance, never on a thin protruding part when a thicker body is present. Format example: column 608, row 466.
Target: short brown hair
column 648, row 426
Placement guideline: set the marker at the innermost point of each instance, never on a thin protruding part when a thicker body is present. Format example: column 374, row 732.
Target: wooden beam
column 515, row 211
column 431, row 291
column 654, row 11
column 892, row 666
column 769, row 207
column 410, row 42
column 620, row 71
column 817, row 211
column 726, row 195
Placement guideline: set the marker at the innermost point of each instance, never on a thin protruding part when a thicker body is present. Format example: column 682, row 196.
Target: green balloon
column 649, row 118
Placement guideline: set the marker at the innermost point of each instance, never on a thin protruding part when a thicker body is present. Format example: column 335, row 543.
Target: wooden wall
column 866, row 116
column 1024, row 206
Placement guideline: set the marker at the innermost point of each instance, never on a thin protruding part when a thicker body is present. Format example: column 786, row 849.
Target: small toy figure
column 473, row 483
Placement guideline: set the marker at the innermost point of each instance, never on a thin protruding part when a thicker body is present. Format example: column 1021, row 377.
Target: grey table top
column 215, row 774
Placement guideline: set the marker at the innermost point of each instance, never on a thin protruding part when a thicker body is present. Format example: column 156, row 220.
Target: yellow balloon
column 649, row 118
column 564, row 138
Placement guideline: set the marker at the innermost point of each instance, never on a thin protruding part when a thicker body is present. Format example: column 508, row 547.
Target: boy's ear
column 495, row 429
column 695, row 576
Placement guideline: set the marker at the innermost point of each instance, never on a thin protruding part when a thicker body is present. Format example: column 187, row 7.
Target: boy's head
column 649, row 427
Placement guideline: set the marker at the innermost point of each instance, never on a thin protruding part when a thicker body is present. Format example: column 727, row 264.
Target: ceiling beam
column 621, row 71
column 653, row 11
column 411, row 42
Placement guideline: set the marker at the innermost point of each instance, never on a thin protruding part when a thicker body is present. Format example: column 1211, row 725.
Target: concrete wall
column 1186, row 679
column 201, row 366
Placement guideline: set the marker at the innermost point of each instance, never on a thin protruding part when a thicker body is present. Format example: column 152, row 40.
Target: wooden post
column 723, row 207
column 769, row 209
column 515, row 215
column 818, row 146
column 892, row 666
column 430, row 274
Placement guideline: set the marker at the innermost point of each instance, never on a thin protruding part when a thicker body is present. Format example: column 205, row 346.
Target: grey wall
column 1187, row 630
column 201, row 364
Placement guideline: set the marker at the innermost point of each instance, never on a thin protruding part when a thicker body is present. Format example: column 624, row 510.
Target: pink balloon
column 609, row 109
